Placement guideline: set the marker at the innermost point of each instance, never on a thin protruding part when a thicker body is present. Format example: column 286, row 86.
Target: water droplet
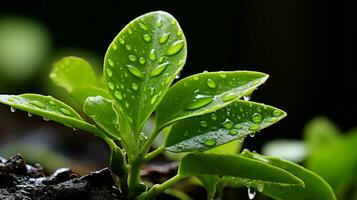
column 161, row 59
column 233, row 132
column 152, row 90
column 179, row 32
column 118, row 95
column 228, row 124
column 246, row 98
column 159, row 69
column 172, row 22
column 222, row 75
column 143, row 26
column 142, row 60
column 74, row 129
column 110, row 62
column 177, row 76
column 132, row 58
column 254, row 127
column 154, row 99
column 213, row 116
column 175, row 48
column 147, row 37
column 229, row 97
column 211, row 83
column 130, row 31
column 277, row 113
column 114, row 46
column 46, row 119
column 12, row 109
column 135, row 71
column 159, row 23
column 260, row 186
column 152, row 54
column 273, row 119
column 128, row 47
column 126, row 104
column 252, row 135
column 37, row 104
column 121, row 41
column 257, row 118
column 251, row 193
column 199, row 103
column 196, row 78
column 109, row 72
column 237, row 126
column 134, row 86
column 65, row 111
column 164, row 38
column 203, row 123
column 210, row 142
column 110, row 85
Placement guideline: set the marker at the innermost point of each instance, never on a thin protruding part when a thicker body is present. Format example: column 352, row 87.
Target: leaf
column 232, row 122
column 49, row 108
column 231, row 147
column 101, row 111
column 292, row 150
column 197, row 164
column 204, row 93
column 77, row 76
column 142, row 62
column 315, row 186
column 210, row 183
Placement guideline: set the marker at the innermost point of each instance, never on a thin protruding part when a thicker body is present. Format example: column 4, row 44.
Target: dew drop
column 143, row 26
column 132, row 58
column 164, row 38
column 130, row 31
column 222, row 75
column 196, row 78
column 37, row 104
column 161, row 59
column 254, row 127
column 260, row 186
column 159, row 69
column 121, row 41
column 118, row 95
column 110, row 85
column 46, row 119
column 228, row 124
column 152, row 90
column 251, row 193
column 252, row 135
column 210, row 142
column 211, row 83
column 203, row 123
column 109, row 72
column 246, row 98
column 238, row 126
column 229, row 97
column 273, row 119
column 152, row 55
column 172, row 22
column 233, row 132
column 29, row 114
column 135, row 71
column 128, row 47
column 134, row 86
column 126, row 104
column 257, row 118
column 277, row 113
column 52, row 103
column 199, row 103
column 12, row 109
column 159, row 23
column 110, row 62
column 147, row 37
column 213, row 116
column 142, row 60
column 65, row 111
column 154, row 99
column 175, row 48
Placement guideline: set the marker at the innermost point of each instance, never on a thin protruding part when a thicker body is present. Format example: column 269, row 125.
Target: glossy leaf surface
column 235, row 121
column 206, row 92
column 141, row 63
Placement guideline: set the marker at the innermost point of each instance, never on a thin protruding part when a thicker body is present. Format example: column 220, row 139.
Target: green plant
column 200, row 113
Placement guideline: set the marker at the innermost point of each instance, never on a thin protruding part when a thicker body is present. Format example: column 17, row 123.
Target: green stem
column 157, row 189
column 134, row 177
column 154, row 153
column 149, row 142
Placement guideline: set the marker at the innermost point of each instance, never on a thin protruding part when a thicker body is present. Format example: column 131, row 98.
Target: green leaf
column 142, row 62
column 315, row 186
column 49, row 108
column 197, row 164
column 232, row 122
column 292, row 150
column 77, row 76
column 204, row 93
column 210, row 183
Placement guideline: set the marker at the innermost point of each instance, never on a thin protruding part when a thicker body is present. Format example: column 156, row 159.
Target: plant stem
column 157, row 189
column 149, row 142
column 134, row 177
column 153, row 154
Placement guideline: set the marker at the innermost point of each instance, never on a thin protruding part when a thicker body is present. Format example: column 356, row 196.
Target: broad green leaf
column 50, row 109
column 204, row 93
column 142, row 62
column 101, row 111
column 315, row 187
column 197, row 164
column 292, row 150
column 77, row 76
column 232, row 122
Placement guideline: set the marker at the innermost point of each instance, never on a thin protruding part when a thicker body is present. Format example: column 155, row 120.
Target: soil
column 21, row 181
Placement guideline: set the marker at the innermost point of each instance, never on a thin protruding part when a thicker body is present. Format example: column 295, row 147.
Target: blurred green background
column 305, row 46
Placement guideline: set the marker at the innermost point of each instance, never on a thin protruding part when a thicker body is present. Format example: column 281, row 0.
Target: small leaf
column 292, row 150
column 204, row 93
column 77, row 77
column 142, row 62
column 315, row 187
column 49, row 108
column 196, row 164
column 235, row 121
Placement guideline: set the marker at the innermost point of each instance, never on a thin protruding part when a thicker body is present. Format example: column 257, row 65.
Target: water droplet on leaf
column 109, row 72
column 199, row 103
column 211, row 83
column 210, row 142
column 110, row 62
column 152, row 55
column 12, row 109
column 228, row 124
column 164, row 38
column 159, row 69
column 142, row 60
column 135, row 71
column 110, row 85
column 277, row 113
column 65, row 111
column 154, row 99
column 251, row 193
column 118, row 95
column 132, row 58
column 175, row 48
column 203, row 123
column 134, row 86
column 147, row 37
column 254, row 127
column 257, row 118
column 229, row 97
column 143, row 26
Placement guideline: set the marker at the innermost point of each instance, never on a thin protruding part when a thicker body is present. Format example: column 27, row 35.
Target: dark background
column 306, row 47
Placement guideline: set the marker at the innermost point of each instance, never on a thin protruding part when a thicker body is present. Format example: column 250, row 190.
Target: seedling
column 200, row 113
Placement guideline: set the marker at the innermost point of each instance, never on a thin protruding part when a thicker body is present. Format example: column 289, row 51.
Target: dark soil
column 20, row 181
